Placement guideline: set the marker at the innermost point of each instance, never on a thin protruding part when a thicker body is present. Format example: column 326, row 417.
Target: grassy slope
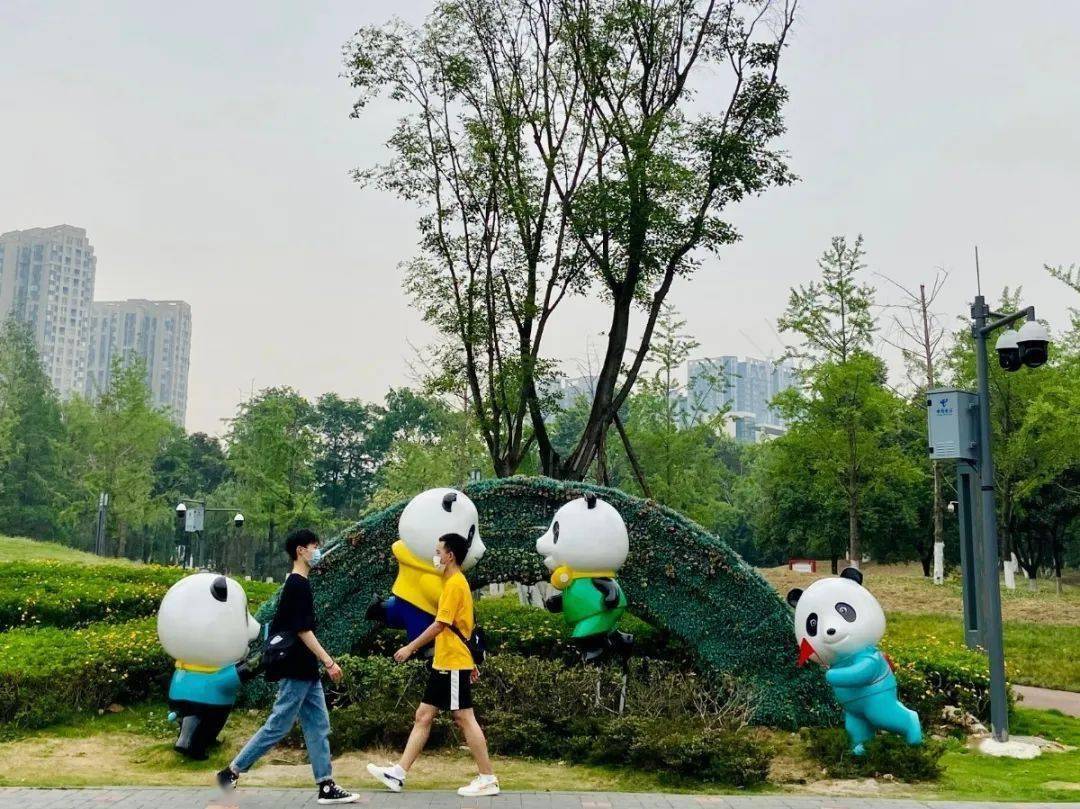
column 21, row 549
column 1042, row 628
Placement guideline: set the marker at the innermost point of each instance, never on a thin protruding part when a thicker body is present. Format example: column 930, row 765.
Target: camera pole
column 991, row 617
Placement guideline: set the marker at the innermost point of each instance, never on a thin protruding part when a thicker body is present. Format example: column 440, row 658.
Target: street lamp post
column 1027, row 347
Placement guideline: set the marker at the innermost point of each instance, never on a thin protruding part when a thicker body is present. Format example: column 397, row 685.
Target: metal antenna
column 978, row 277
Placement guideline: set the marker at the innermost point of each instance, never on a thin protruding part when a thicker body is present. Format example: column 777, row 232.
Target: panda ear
column 219, row 589
column 590, row 499
column 852, row 573
column 793, row 596
column 448, row 501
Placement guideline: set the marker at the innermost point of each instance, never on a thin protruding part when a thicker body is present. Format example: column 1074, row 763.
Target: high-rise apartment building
column 157, row 331
column 746, row 386
column 47, row 282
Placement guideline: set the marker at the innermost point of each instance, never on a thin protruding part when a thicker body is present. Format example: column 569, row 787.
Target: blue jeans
column 303, row 698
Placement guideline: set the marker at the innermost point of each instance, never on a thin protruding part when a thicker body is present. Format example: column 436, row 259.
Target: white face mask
column 437, row 561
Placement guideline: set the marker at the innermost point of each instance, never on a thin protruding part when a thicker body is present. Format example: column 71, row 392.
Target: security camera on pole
column 959, row 427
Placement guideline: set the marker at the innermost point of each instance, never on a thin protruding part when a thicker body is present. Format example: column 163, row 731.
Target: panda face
column 837, row 617
column 586, row 534
column 203, row 619
column 435, row 512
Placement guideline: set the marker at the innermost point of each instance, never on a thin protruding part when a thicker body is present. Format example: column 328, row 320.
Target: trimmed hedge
column 63, row 594
column 678, row 576
column 47, row 675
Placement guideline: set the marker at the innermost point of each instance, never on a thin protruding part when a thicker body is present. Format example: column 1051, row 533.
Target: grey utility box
column 952, row 416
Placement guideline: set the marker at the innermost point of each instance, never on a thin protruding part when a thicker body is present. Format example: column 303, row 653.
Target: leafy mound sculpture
column 678, row 576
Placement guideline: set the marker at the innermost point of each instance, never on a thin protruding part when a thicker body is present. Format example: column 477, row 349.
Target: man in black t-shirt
column 300, row 692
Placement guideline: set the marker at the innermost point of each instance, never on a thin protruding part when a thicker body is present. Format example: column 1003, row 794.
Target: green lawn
column 1035, row 654
column 20, row 549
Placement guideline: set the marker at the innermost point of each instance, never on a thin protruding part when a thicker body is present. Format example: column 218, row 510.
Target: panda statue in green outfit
column 583, row 549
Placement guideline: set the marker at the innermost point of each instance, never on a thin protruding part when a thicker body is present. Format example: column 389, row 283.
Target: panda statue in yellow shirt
column 415, row 594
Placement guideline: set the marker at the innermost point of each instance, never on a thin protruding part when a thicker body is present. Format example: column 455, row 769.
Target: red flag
column 806, row 651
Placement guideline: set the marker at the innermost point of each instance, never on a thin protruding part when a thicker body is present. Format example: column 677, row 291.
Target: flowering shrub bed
column 49, row 673
column 59, row 594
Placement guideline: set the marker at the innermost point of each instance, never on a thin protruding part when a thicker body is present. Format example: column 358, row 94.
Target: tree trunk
column 121, row 539
column 638, row 473
column 854, row 554
column 833, row 564
column 601, row 460
column 939, row 526
column 925, row 561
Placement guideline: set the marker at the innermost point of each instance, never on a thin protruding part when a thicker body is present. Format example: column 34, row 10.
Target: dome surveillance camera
column 1008, row 350
column 1033, row 342
column 238, row 520
column 181, row 509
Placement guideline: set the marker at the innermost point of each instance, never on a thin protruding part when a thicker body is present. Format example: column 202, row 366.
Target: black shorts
column 449, row 690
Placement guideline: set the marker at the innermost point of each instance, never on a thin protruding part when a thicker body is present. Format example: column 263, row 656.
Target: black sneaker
column 329, row 792
column 226, row 779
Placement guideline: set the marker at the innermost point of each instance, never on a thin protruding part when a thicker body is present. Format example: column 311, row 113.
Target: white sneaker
column 481, row 786
column 386, row 777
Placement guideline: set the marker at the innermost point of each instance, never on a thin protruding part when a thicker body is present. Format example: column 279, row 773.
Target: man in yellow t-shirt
column 452, row 675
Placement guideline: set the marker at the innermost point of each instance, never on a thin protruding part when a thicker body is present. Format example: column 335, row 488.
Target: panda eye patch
column 847, row 612
column 555, row 531
column 811, row 624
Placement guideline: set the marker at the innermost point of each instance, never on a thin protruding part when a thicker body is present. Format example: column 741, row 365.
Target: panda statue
column 839, row 624
column 203, row 622
column 416, row 590
column 583, row 549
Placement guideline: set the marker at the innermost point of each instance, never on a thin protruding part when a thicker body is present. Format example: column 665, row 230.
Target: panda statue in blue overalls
column 839, row 624
column 203, row 622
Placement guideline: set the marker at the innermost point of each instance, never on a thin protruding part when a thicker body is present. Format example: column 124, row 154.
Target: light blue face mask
column 315, row 558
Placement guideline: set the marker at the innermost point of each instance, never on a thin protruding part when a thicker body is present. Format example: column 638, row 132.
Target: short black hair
column 457, row 545
column 299, row 539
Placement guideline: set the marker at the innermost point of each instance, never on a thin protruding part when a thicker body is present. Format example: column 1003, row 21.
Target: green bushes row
column 672, row 721
column 49, row 674
column 61, row 594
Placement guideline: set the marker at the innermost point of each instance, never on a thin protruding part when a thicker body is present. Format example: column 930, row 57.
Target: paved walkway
column 1068, row 702
column 256, row 798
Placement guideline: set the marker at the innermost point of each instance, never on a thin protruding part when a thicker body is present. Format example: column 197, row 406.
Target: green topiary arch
column 678, row 576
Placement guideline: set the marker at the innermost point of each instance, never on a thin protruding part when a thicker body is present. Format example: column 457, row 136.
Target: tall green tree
column 113, row 444
column 271, row 448
column 344, row 466
column 559, row 149
column 32, row 477
column 833, row 319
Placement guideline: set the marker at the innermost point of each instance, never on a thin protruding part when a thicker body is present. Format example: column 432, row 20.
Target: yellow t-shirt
column 455, row 607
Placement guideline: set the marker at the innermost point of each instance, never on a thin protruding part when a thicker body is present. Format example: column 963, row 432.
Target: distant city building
column 157, row 331
column 47, row 282
column 576, row 388
column 745, row 386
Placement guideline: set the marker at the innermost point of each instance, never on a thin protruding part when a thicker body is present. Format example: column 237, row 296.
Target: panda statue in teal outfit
column 203, row 622
column 839, row 624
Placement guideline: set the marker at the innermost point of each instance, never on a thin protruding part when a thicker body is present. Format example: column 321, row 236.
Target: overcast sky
column 206, row 147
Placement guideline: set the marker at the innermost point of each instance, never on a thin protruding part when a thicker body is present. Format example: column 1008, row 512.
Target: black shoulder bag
column 276, row 650
column 475, row 644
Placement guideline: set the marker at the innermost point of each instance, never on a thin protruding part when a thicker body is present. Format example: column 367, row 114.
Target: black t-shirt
column 296, row 613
